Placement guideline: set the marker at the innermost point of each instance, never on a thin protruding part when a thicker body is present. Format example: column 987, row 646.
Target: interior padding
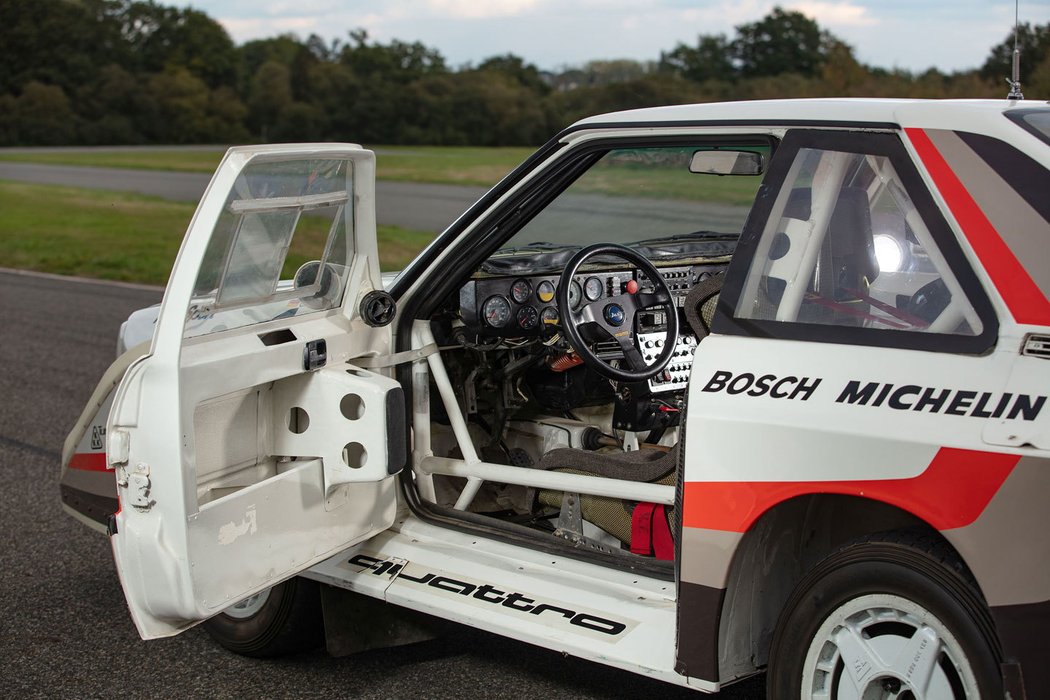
column 640, row 465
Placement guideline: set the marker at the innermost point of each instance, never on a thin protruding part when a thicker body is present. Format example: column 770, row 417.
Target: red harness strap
column 650, row 533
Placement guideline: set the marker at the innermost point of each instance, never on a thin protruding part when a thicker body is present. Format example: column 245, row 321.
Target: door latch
column 137, row 485
column 315, row 354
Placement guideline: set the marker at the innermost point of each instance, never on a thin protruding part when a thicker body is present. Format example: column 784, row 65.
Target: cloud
column 246, row 29
column 553, row 33
column 836, row 13
column 481, row 9
column 285, row 8
column 841, row 14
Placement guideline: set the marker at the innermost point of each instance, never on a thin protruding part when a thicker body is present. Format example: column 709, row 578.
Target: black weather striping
column 1026, row 176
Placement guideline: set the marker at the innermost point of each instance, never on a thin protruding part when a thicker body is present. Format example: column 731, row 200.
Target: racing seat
column 838, row 291
column 852, row 246
column 618, row 517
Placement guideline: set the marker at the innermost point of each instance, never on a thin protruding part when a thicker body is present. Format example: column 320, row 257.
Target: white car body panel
column 183, row 555
column 902, row 435
column 597, row 595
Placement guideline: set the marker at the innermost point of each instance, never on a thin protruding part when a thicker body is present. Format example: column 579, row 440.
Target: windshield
column 644, row 197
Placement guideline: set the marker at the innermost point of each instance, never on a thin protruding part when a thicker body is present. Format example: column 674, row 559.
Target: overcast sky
column 910, row 34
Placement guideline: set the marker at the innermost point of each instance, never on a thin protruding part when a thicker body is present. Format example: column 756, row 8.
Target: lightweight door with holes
column 247, row 446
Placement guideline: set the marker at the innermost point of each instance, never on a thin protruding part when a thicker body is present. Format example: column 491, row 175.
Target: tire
column 901, row 611
column 285, row 619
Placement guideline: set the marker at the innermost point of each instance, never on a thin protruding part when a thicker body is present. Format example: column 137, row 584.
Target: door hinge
column 117, row 448
column 137, row 485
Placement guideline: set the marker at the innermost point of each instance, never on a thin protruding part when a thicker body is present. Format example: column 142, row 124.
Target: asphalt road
column 65, row 631
column 430, row 207
column 411, row 205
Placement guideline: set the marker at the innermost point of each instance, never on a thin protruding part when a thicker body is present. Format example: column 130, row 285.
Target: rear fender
column 87, row 484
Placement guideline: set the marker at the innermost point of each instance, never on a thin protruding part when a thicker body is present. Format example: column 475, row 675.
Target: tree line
column 138, row 72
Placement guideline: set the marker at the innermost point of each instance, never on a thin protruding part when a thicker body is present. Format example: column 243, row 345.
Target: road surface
column 65, row 631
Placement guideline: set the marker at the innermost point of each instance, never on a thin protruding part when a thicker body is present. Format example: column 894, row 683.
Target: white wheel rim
column 243, row 609
column 884, row 647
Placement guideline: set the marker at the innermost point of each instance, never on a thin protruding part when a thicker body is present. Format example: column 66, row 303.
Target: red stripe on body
column 89, row 461
column 1026, row 301
column 952, row 492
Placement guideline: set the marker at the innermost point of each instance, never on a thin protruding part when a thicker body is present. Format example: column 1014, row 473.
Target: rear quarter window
column 1034, row 121
column 848, row 247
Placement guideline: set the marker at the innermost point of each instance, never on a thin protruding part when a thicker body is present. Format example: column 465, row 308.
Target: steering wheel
column 613, row 317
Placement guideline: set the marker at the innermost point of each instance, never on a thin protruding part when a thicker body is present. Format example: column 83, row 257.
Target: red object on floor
column 650, row 533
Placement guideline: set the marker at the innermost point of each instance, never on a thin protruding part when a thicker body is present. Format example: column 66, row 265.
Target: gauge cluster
column 523, row 306
column 516, row 307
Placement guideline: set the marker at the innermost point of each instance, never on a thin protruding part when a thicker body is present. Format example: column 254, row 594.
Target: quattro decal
column 899, row 397
column 482, row 594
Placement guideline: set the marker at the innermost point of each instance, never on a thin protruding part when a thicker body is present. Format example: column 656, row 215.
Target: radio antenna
column 1015, row 79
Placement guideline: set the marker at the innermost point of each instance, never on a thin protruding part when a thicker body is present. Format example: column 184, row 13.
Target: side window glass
column 282, row 246
column 845, row 246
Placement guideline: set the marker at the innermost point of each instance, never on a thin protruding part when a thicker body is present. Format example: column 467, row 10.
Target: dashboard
column 524, row 307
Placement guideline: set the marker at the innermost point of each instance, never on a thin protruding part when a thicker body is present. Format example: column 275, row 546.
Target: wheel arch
column 782, row 545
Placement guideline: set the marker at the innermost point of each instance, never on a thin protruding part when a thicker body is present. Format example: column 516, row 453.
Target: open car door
column 246, row 448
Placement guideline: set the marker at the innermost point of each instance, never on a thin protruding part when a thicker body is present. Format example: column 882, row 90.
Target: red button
column 632, row 287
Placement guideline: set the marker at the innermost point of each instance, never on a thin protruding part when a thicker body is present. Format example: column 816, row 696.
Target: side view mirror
column 726, row 162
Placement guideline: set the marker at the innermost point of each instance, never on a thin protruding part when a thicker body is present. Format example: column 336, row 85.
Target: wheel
column 284, row 619
column 885, row 619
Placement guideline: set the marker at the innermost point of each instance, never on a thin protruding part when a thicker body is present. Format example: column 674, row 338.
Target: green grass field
column 131, row 237
column 128, row 237
column 435, row 164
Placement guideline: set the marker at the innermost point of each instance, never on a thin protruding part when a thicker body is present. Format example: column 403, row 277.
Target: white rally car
column 696, row 392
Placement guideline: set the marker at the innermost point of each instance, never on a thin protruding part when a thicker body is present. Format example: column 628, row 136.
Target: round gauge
column 496, row 311
column 545, row 291
column 549, row 316
column 520, row 291
column 593, row 288
column 528, row 318
column 575, row 295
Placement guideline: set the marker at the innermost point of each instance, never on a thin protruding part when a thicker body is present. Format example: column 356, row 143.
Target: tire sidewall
column 880, row 568
column 285, row 623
